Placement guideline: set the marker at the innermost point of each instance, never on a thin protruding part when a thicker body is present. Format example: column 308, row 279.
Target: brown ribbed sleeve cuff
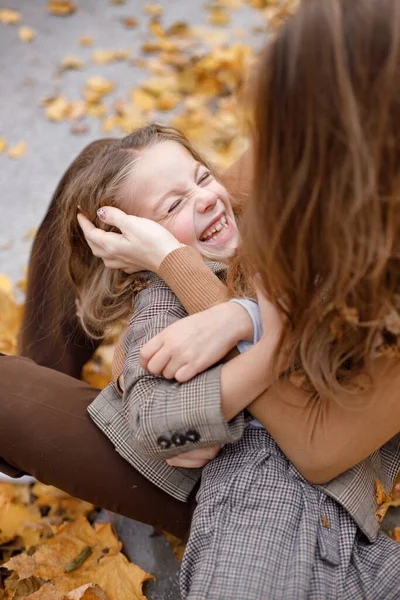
column 196, row 286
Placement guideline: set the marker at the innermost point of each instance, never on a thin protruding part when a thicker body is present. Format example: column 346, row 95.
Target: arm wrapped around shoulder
column 165, row 417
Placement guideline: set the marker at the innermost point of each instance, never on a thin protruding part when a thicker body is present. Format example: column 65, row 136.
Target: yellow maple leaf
column 61, row 7
column 104, row 57
column 26, row 34
column 3, row 145
column 16, row 516
column 153, row 9
column 18, row 150
column 60, row 501
column 85, row 40
column 218, row 16
column 9, row 17
column 71, row 62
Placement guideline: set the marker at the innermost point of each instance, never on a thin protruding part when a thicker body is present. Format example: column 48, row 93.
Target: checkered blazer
column 157, row 418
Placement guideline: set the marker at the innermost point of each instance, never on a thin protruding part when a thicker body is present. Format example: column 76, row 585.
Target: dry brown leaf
column 85, row 40
column 156, row 28
column 130, row 22
column 47, row 592
column 88, row 592
column 105, row 57
column 143, row 100
column 9, row 17
column 3, row 145
column 60, row 502
column 97, row 372
column 71, row 62
column 26, row 34
column 99, row 86
column 16, row 512
column 117, row 1
column 58, row 109
column 153, row 9
column 380, row 495
column 105, row 566
column 178, row 547
column 61, row 7
column 79, row 129
column 396, row 534
column 218, row 16
column 167, row 101
column 76, row 110
column 17, row 151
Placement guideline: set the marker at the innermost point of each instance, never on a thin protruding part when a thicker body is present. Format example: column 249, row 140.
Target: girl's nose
column 206, row 200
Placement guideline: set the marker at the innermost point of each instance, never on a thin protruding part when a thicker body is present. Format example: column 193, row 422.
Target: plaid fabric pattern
column 262, row 532
column 152, row 407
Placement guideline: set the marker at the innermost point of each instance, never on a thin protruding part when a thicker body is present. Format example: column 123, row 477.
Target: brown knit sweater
column 322, row 436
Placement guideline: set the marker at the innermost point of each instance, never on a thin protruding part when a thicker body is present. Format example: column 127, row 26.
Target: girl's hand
column 192, row 345
column 142, row 244
column 194, row 459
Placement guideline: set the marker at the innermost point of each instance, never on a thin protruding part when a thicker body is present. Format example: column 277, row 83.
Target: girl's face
column 169, row 186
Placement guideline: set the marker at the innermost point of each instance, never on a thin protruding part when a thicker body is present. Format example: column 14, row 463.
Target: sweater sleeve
column 191, row 280
column 324, row 437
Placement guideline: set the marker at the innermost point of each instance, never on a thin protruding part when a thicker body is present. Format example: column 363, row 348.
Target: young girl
column 326, row 166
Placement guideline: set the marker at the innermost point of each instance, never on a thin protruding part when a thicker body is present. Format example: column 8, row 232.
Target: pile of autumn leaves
column 65, row 558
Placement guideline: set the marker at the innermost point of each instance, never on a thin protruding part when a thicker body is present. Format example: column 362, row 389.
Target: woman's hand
column 142, row 244
column 194, row 459
column 192, row 345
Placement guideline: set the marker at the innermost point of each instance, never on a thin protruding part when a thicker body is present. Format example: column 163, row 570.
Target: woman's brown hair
column 96, row 179
column 323, row 225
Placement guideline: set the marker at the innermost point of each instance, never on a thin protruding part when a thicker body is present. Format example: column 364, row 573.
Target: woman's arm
column 324, row 437
column 164, row 416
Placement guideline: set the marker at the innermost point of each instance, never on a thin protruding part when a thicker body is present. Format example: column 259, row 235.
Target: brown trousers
column 44, row 426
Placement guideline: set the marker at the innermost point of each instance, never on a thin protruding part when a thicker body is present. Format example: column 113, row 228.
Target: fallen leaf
column 9, row 17
column 79, row 129
column 130, row 22
column 30, row 234
column 71, row 62
column 88, row 592
column 99, row 86
column 105, row 57
column 117, row 1
column 15, row 515
column 3, row 145
column 48, row 591
column 218, row 16
column 17, row 151
column 85, row 41
column 143, row 100
column 26, row 34
column 105, row 566
column 156, row 28
column 178, row 547
column 58, row 109
column 380, row 495
column 396, row 534
column 60, row 502
column 61, row 7
column 153, row 9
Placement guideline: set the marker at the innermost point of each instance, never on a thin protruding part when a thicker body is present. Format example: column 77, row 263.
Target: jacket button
column 192, row 435
column 164, row 442
column 178, row 439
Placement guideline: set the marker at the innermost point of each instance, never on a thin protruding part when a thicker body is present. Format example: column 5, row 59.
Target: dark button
column 178, row 439
column 164, row 442
column 192, row 435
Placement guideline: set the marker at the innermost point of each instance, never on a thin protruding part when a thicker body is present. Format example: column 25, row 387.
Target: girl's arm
column 166, row 417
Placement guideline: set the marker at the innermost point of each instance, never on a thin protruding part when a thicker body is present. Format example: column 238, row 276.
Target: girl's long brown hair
column 96, row 179
column 323, row 225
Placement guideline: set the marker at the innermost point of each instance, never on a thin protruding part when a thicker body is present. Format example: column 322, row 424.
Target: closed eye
column 204, row 177
column 174, row 205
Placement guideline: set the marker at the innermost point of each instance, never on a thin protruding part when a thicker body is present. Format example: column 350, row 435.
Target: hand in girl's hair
column 142, row 244
column 194, row 459
column 192, row 345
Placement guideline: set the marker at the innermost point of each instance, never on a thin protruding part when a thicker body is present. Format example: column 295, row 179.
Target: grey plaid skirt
column 262, row 532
